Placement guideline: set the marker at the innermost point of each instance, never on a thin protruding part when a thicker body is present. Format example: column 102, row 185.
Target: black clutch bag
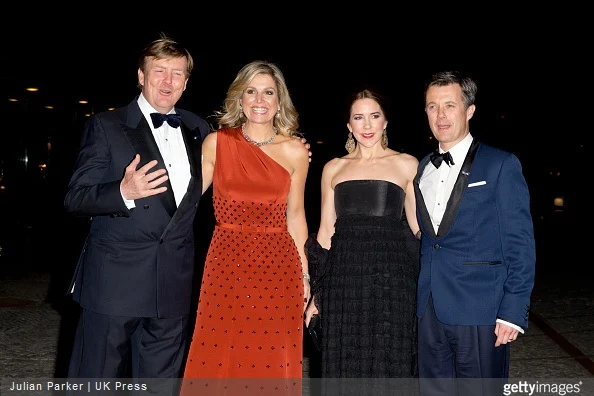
column 315, row 331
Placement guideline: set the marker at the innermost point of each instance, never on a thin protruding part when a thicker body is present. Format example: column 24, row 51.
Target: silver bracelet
column 306, row 277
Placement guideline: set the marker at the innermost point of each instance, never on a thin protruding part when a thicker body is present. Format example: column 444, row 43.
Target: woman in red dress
column 255, row 285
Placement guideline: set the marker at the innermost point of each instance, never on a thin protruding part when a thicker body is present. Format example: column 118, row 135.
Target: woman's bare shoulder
column 295, row 149
column 407, row 158
column 210, row 138
column 334, row 163
column 406, row 162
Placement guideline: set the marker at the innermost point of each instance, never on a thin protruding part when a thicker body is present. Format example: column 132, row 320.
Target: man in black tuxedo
column 138, row 177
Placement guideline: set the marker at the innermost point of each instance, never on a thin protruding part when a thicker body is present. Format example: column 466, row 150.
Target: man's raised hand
column 140, row 183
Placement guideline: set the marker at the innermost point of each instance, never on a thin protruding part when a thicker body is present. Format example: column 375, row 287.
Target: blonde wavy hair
column 231, row 113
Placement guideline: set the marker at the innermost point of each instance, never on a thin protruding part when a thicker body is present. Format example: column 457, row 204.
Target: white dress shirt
column 173, row 150
column 436, row 185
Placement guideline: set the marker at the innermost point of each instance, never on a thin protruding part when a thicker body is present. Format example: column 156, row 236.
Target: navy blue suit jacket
column 480, row 265
column 136, row 262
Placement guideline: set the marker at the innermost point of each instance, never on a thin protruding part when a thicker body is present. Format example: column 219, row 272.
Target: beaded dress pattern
column 249, row 320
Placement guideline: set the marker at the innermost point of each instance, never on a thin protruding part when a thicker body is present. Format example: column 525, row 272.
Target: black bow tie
column 437, row 158
column 173, row 120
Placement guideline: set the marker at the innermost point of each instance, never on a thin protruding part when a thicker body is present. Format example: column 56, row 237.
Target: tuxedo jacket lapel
column 194, row 155
column 140, row 136
column 422, row 207
column 455, row 200
column 195, row 158
column 458, row 191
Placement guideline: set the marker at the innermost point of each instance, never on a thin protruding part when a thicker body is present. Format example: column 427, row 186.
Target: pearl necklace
column 252, row 141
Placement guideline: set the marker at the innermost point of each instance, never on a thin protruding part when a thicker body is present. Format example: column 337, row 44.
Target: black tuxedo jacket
column 136, row 262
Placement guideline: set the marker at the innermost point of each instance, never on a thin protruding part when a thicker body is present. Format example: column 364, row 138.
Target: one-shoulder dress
column 249, row 321
column 367, row 296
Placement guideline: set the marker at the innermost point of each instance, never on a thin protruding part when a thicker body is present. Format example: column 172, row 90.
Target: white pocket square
column 477, row 183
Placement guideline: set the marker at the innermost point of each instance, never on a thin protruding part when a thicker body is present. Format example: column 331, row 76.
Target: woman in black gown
column 365, row 291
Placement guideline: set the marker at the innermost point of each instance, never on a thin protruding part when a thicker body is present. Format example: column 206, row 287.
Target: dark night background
column 534, row 79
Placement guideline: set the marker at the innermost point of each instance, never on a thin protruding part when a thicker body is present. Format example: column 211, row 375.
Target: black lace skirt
column 367, row 300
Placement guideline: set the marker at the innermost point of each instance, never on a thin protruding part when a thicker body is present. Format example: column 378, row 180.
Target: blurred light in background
column 558, row 204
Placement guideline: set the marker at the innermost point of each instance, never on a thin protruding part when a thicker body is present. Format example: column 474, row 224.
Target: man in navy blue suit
column 477, row 249
column 138, row 177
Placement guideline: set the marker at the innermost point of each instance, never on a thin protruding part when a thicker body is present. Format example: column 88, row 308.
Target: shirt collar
column 460, row 150
column 147, row 109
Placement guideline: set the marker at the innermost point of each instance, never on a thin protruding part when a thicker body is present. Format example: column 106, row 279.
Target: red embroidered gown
column 250, row 311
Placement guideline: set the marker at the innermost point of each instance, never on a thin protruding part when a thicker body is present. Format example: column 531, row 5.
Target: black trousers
column 108, row 346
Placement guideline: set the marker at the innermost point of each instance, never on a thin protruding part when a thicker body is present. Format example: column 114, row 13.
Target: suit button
column 145, row 206
column 161, row 241
column 436, row 246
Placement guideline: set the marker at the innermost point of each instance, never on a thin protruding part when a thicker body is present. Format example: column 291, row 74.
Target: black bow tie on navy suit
column 174, row 120
column 437, row 158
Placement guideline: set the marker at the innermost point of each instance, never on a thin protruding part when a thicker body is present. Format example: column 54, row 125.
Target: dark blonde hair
column 231, row 113
column 165, row 48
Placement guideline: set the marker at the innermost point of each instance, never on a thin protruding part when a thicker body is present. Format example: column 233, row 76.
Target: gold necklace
column 252, row 141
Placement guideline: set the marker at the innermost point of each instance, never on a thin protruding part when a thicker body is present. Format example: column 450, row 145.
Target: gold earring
column 384, row 139
column 350, row 143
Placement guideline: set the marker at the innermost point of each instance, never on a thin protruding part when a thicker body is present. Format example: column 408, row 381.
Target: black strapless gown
column 368, row 293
